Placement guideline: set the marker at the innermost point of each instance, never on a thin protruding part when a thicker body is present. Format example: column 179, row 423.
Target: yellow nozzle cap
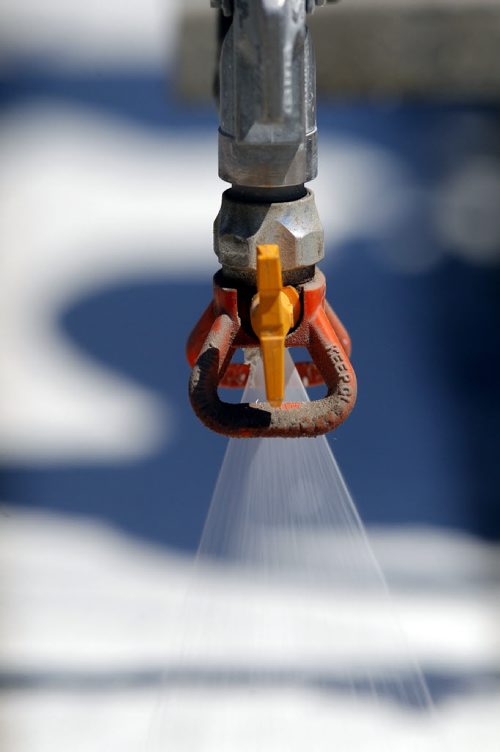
column 273, row 313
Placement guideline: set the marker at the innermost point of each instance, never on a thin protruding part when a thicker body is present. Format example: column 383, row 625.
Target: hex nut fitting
column 293, row 225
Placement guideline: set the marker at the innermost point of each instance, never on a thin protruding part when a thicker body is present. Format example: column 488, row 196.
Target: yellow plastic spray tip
column 273, row 313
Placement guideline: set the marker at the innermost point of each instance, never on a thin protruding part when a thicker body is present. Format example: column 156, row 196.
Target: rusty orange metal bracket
column 225, row 326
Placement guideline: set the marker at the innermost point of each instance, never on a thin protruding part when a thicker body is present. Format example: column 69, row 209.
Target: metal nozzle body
column 267, row 135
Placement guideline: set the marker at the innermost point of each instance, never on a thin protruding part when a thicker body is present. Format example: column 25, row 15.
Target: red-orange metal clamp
column 225, row 326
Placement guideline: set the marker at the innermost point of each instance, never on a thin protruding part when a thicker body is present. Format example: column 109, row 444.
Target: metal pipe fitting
column 267, row 135
column 241, row 226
